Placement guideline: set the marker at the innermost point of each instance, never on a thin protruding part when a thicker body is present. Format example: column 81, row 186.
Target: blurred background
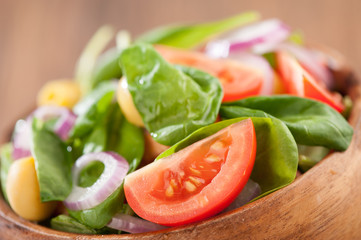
column 41, row 40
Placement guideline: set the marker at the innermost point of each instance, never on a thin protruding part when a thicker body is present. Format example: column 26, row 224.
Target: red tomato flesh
column 238, row 81
column 299, row 82
column 196, row 182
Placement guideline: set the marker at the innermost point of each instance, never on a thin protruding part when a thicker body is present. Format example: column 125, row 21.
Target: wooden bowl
column 324, row 203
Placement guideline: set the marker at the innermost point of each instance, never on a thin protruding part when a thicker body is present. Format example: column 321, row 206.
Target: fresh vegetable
column 130, row 224
column 189, row 36
column 62, row 92
column 238, row 80
column 310, row 61
column 197, row 182
column 21, row 139
column 260, row 37
column 53, row 163
column 127, row 105
column 22, row 190
column 171, row 108
column 298, row 82
column 115, row 169
column 311, row 122
column 87, row 60
column 92, row 109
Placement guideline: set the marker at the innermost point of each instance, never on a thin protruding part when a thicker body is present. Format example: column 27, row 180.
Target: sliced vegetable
column 21, row 139
column 237, row 79
column 65, row 119
column 197, row 182
column 310, row 61
column 171, row 107
column 130, row 224
column 311, row 122
column 298, row 82
column 262, row 65
column 87, row 60
column 115, row 169
column 260, row 37
column 189, row 36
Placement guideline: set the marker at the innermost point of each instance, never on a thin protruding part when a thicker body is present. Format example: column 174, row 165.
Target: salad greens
column 53, row 163
column 173, row 102
column 188, row 36
column 311, row 122
column 107, row 68
column 92, row 109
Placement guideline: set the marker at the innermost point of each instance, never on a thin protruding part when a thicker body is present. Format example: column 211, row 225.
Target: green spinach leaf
column 311, row 122
column 125, row 139
column 53, row 163
column 92, row 109
column 100, row 215
column 173, row 103
column 276, row 157
column 68, row 224
column 65, row 223
column 107, row 68
column 6, row 160
column 188, row 36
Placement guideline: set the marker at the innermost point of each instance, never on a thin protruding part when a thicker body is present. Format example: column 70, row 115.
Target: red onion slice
column 262, row 65
column 22, row 133
column 21, row 139
column 310, row 61
column 260, row 38
column 130, row 224
column 115, row 170
column 249, row 192
column 65, row 122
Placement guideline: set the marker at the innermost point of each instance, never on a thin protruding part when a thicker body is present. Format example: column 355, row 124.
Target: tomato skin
column 299, row 82
column 142, row 188
column 238, row 81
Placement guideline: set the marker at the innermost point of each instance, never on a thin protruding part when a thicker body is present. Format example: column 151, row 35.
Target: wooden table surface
column 40, row 40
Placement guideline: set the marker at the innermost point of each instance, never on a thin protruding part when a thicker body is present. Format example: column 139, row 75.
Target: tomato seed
column 212, row 158
column 190, row 187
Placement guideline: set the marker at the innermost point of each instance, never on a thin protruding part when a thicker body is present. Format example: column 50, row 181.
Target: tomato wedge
column 196, row 182
column 299, row 82
column 238, row 80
